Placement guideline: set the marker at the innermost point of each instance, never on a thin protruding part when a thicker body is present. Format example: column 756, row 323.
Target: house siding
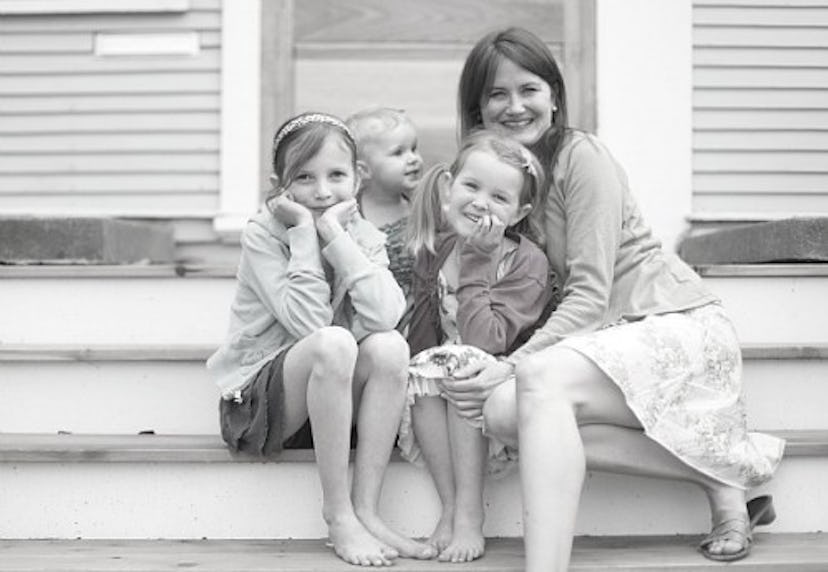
column 760, row 108
column 82, row 133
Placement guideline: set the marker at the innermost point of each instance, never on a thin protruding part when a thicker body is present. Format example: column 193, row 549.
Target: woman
column 638, row 370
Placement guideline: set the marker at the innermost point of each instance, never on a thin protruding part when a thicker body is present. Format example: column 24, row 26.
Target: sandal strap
column 736, row 529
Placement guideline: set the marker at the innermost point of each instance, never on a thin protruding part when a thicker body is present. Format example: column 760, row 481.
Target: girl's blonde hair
column 300, row 138
column 426, row 221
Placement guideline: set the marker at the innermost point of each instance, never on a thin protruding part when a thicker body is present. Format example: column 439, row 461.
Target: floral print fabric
column 681, row 375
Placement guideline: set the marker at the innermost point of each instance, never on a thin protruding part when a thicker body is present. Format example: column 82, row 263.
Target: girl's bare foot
column 467, row 543
column 405, row 547
column 355, row 545
column 441, row 537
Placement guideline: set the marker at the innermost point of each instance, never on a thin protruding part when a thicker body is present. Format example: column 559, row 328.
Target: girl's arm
column 377, row 299
column 593, row 188
column 288, row 278
column 492, row 313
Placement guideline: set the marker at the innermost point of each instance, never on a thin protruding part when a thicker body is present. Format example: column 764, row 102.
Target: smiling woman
column 638, row 369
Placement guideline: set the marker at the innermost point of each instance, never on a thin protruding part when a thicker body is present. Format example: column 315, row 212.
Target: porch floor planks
column 772, row 552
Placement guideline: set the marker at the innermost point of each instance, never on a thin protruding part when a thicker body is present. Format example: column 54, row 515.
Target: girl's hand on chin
column 289, row 212
column 489, row 233
column 335, row 219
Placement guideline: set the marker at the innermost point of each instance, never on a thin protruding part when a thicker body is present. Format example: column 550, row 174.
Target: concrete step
column 132, row 388
column 160, row 304
column 145, row 486
column 773, row 303
column 771, row 553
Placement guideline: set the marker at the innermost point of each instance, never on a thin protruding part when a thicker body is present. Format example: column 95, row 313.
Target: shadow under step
column 771, row 552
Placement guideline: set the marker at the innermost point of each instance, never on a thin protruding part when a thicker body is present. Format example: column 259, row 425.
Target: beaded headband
column 307, row 119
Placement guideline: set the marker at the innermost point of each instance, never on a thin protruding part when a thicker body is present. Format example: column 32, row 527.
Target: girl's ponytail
column 426, row 211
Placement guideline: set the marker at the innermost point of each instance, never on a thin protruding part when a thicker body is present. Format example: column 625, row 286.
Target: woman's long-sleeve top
column 288, row 287
column 492, row 312
column 611, row 266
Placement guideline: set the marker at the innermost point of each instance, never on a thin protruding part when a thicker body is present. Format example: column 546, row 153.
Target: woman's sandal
column 739, row 529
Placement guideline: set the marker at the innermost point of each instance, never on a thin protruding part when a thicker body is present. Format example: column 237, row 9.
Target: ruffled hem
column 425, row 370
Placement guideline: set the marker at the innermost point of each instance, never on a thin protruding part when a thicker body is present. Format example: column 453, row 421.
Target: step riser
column 179, row 398
column 195, row 310
column 781, row 309
column 130, row 500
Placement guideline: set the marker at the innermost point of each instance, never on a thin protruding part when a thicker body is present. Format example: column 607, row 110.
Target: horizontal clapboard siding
column 83, row 133
column 760, row 145
column 351, row 54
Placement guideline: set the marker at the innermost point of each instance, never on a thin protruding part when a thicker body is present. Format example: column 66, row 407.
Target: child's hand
column 289, row 212
column 335, row 219
column 489, row 233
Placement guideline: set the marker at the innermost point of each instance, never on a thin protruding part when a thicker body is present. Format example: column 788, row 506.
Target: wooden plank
column 127, row 271
column 166, row 203
column 92, row 448
column 130, row 353
column 761, row 57
column 54, row 7
column 394, row 50
column 110, row 143
column 97, row 104
column 181, row 122
column 786, row 205
column 707, row 36
column 190, row 20
column 747, row 162
column 761, row 182
column 760, row 77
column 804, row 552
column 123, row 183
column 750, row 119
column 115, row 83
column 46, row 43
column 772, row 4
column 77, row 164
column 12, row 65
column 423, row 21
column 758, row 98
column 766, row 140
column 761, row 16
column 425, row 89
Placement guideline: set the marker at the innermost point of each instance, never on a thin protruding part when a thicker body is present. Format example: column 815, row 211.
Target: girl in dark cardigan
column 479, row 285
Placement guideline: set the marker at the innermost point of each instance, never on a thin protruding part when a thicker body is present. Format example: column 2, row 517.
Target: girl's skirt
column 426, row 370
column 681, row 375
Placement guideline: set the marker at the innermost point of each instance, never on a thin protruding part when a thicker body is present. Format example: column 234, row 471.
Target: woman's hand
column 334, row 220
column 289, row 212
column 473, row 384
column 489, row 233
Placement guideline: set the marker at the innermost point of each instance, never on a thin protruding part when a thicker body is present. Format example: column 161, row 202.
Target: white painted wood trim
column 240, row 115
column 20, row 7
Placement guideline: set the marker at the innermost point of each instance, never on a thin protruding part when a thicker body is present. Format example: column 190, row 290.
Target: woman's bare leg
column 611, row 434
column 381, row 377
column 318, row 375
column 469, row 451
column 429, row 422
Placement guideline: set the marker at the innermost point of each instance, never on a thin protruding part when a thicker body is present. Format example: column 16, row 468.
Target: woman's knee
column 500, row 413
column 543, row 376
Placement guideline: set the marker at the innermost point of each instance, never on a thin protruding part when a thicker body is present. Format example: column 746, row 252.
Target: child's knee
column 387, row 351
column 333, row 347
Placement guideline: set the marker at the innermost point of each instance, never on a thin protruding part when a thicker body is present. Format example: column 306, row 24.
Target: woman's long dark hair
column 528, row 51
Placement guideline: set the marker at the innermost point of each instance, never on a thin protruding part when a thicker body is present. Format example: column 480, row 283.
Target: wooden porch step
column 89, row 448
column 771, row 553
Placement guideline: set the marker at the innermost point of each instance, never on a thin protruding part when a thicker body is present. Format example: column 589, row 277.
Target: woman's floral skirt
column 681, row 375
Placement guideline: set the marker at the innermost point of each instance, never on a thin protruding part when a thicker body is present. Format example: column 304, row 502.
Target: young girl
column 390, row 166
column 312, row 336
column 479, row 285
